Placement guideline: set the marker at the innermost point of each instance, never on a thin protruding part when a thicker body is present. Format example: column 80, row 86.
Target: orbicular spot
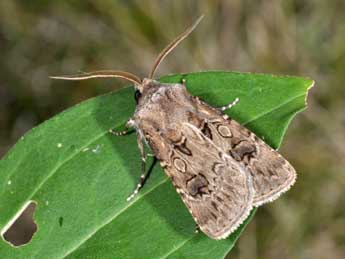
column 180, row 165
column 197, row 185
column 224, row 131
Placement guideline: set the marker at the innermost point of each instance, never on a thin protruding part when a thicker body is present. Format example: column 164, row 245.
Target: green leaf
column 80, row 176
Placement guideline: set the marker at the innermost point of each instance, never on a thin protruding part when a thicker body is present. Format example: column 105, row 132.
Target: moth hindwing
column 220, row 169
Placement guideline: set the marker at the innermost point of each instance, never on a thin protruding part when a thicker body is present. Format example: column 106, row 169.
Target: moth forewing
column 272, row 174
column 215, row 188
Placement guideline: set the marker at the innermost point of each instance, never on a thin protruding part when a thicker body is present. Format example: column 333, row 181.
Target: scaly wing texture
column 272, row 175
column 215, row 188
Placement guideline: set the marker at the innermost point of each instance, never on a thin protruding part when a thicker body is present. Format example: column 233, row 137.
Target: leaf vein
column 177, row 248
column 113, row 217
column 273, row 109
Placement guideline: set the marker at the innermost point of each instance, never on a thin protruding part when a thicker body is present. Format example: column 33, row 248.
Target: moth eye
column 137, row 96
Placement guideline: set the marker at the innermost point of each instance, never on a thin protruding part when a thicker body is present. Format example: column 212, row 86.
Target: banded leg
column 230, row 105
column 129, row 124
column 144, row 176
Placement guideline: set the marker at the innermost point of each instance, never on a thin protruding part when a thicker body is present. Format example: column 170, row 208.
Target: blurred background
column 286, row 37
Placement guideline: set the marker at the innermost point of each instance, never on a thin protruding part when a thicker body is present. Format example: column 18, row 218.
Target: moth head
column 140, row 85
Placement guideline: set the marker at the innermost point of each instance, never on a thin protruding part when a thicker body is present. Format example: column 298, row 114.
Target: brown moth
column 220, row 169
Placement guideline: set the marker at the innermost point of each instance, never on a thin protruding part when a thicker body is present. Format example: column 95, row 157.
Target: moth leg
column 143, row 176
column 230, row 105
column 129, row 124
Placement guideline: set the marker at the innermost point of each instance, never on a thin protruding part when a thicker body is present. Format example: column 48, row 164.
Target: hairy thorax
column 161, row 114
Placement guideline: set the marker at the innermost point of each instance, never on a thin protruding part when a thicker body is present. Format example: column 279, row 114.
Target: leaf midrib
column 115, row 216
column 177, row 248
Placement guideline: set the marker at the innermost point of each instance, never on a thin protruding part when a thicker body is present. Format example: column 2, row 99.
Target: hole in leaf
column 21, row 227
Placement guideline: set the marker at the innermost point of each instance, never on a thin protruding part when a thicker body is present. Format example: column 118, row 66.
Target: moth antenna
column 172, row 45
column 102, row 74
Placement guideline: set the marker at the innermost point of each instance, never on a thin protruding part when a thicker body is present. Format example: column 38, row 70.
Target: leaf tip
column 310, row 85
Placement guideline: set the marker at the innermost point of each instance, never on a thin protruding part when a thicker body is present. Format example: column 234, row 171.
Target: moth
column 219, row 168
